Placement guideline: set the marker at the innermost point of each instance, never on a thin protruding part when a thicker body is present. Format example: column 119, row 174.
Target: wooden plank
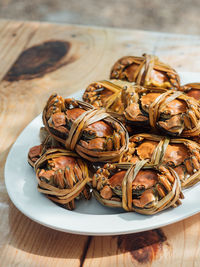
column 31, row 244
column 175, row 245
column 24, row 242
column 93, row 51
column 66, row 58
column 14, row 37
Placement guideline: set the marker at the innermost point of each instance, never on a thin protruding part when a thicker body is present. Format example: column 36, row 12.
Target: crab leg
column 165, row 182
column 167, row 173
column 188, row 165
column 195, row 163
column 192, row 117
column 161, row 191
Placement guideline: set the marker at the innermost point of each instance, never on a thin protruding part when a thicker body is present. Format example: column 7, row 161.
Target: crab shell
column 94, row 134
column 170, row 111
column 183, row 155
column 34, row 154
column 192, row 90
column 145, row 71
column 144, row 188
column 62, row 176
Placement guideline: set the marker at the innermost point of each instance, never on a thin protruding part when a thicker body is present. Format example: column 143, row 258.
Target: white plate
column 89, row 217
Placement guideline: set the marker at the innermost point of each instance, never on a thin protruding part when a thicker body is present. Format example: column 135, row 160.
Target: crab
column 192, row 90
column 111, row 95
column 94, row 134
column 146, row 71
column 62, row 176
column 183, row 155
column 115, row 96
column 142, row 187
column 170, row 111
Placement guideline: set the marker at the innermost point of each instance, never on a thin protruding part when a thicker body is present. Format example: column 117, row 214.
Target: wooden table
column 38, row 58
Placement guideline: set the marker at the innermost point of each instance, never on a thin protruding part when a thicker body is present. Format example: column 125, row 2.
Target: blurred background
column 181, row 16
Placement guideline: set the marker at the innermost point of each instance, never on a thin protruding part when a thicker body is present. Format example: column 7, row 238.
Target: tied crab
column 92, row 133
column 114, row 96
column 111, row 95
column 63, row 177
column 170, row 111
column 183, row 155
column 143, row 188
column 145, row 71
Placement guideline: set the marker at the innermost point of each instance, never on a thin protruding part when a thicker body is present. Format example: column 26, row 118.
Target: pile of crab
column 132, row 143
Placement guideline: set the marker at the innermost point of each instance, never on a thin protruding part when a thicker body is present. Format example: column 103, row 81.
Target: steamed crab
column 62, row 176
column 183, row 155
column 144, row 188
column 94, row 134
column 111, row 94
column 146, row 71
column 173, row 112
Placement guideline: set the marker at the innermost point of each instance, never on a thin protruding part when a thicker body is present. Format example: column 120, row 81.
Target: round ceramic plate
column 89, row 217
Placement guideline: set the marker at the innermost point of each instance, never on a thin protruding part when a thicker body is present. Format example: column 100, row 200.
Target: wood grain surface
column 38, row 59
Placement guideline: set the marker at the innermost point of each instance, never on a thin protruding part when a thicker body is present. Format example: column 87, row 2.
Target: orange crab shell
column 181, row 154
column 145, row 179
column 166, row 110
column 34, row 154
column 146, row 71
column 175, row 153
column 158, row 77
column 192, row 90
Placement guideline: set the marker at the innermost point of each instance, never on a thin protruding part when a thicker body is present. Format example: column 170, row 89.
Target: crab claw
column 147, row 199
